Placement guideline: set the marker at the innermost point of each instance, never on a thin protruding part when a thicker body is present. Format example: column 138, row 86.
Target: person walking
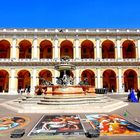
column 138, row 94
column 131, row 96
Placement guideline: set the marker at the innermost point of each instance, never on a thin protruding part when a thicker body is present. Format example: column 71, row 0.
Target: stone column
column 35, row 49
column 33, row 80
column 56, row 74
column 77, row 75
column 118, row 49
column 77, row 44
column 98, row 78
column 12, row 81
column 138, row 78
column 56, row 48
column 98, row 52
column 120, row 86
column 13, row 49
column 138, row 49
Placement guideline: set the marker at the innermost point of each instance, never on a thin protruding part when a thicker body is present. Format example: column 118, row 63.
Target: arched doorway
column 25, row 50
column 46, row 49
column 129, row 50
column 130, row 80
column 66, row 49
column 46, row 75
column 4, row 81
column 24, row 79
column 89, row 75
column 87, row 49
column 108, row 49
column 109, row 80
column 4, row 49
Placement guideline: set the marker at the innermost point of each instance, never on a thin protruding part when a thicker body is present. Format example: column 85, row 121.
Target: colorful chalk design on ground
column 58, row 125
column 9, row 123
column 113, row 124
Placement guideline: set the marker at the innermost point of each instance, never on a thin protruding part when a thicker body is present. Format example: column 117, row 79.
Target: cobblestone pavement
column 133, row 108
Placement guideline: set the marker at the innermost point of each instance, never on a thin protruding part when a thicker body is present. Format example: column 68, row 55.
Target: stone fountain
column 65, row 81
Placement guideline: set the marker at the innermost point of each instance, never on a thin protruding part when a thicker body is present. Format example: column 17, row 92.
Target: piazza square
column 62, row 83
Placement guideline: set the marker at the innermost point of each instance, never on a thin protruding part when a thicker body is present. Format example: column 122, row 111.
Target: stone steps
column 66, row 105
column 67, row 97
column 82, row 108
column 64, row 100
column 76, row 98
column 73, row 101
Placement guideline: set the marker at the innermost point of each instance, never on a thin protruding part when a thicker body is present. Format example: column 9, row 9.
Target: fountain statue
column 65, row 67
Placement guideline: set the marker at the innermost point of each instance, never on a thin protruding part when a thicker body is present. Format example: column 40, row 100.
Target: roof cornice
column 71, row 31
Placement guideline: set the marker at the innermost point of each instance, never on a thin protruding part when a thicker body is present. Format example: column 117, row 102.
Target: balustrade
column 71, row 60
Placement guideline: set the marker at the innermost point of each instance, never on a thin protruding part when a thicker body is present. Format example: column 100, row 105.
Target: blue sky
column 70, row 13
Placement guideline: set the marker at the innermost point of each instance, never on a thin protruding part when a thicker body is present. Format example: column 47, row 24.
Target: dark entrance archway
column 25, row 50
column 45, row 74
column 109, row 80
column 66, row 49
column 108, row 49
column 129, row 50
column 4, row 81
column 46, row 49
column 4, row 49
column 130, row 80
column 87, row 49
column 89, row 75
column 24, row 79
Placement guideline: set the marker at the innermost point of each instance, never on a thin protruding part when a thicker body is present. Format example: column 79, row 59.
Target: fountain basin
column 58, row 89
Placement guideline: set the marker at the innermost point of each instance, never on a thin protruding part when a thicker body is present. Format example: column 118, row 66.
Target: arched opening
column 109, row 80
column 89, row 75
column 108, row 49
column 46, row 75
column 4, row 49
column 25, row 49
column 129, row 50
column 46, row 49
column 4, row 81
column 24, row 79
column 130, row 80
column 66, row 49
column 87, row 49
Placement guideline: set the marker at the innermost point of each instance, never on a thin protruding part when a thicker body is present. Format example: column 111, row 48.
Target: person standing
column 131, row 96
column 138, row 94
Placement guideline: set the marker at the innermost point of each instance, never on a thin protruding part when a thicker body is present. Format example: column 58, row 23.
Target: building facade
column 109, row 58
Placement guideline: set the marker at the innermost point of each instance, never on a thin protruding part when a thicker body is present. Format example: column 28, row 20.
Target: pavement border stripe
column 35, row 125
